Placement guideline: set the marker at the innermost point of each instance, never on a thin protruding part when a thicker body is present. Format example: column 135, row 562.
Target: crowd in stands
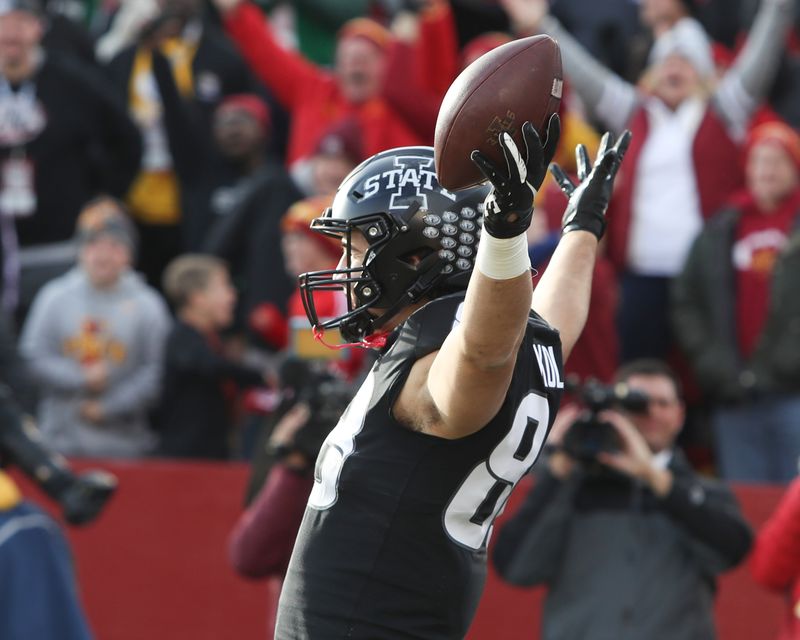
column 161, row 160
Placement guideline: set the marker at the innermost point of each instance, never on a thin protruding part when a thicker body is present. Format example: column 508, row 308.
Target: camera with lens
column 327, row 397
column 324, row 393
column 589, row 435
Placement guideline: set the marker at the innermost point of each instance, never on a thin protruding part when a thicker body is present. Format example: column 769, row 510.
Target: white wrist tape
column 502, row 258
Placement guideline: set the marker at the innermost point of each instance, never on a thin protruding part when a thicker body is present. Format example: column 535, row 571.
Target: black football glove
column 509, row 206
column 588, row 200
column 86, row 496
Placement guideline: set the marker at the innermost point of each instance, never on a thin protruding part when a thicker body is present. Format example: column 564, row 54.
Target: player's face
column 360, row 68
column 664, row 418
column 104, row 259
column 20, row 33
column 676, row 80
column 357, row 245
column 771, row 173
column 358, row 252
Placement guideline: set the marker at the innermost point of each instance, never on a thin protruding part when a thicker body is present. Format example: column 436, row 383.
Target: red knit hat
column 368, row 29
column 342, row 138
column 298, row 217
column 779, row 133
column 250, row 103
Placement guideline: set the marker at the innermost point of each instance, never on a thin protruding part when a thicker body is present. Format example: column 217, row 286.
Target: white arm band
column 502, row 258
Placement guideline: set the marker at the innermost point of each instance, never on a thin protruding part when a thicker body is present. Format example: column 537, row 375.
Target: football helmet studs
column 421, row 240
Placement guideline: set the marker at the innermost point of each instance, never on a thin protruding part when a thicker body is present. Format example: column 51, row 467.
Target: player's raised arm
column 563, row 293
column 469, row 376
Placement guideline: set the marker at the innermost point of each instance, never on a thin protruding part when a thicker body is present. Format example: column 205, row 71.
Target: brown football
column 500, row 91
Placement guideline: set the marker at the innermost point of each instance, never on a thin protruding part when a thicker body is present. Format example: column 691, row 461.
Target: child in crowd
column 199, row 379
column 94, row 341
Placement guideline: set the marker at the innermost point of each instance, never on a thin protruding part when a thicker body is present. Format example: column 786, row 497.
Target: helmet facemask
column 379, row 288
column 418, row 245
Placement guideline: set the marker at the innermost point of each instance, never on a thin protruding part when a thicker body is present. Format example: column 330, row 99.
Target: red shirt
column 760, row 238
column 311, row 95
column 775, row 562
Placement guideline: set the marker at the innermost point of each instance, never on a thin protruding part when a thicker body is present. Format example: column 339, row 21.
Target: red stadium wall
column 154, row 566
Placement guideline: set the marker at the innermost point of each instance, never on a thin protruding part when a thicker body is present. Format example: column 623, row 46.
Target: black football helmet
column 422, row 240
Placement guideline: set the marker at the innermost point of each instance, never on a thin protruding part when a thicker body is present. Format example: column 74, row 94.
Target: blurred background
column 164, row 397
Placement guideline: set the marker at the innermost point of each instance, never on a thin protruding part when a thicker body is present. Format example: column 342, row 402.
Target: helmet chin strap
column 375, row 340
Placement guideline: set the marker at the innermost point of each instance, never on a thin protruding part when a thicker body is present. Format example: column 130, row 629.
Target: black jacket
column 88, row 146
column 193, row 414
column 704, row 316
column 217, row 68
column 619, row 562
column 234, row 216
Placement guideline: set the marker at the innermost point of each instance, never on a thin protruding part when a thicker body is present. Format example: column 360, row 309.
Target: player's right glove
column 509, row 206
column 588, row 200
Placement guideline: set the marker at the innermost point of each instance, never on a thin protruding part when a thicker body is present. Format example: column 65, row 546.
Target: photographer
column 261, row 543
column 626, row 536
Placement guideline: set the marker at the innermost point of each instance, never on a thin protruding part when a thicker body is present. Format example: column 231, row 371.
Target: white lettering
column 391, row 175
column 371, row 186
column 414, row 177
column 429, row 176
column 410, row 176
column 447, row 194
column 548, row 366
column 558, row 383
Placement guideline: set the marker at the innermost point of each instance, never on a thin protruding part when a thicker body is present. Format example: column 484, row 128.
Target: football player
column 456, row 409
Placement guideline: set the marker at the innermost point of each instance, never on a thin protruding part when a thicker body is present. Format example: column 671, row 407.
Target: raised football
column 516, row 82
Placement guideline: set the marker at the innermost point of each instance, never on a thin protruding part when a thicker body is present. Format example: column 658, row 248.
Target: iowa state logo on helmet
column 410, row 179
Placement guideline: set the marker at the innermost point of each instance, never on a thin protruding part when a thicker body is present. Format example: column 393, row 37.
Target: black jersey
column 393, row 541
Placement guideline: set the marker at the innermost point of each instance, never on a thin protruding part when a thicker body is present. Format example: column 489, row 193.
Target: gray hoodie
column 72, row 323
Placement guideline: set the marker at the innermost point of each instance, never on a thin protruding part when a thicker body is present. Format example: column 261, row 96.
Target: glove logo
column 410, row 182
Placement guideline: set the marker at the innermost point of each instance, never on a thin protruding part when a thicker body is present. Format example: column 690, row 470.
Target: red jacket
column 437, row 60
column 310, row 94
column 717, row 167
column 775, row 562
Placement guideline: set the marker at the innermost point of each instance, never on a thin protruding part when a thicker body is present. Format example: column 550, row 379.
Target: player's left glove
column 509, row 206
column 588, row 200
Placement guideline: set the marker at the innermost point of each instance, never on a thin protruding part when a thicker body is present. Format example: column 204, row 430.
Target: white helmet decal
column 413, row 177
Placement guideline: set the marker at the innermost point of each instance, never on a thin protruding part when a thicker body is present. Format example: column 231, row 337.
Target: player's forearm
column 480, row 353
column 564, row 291
column 494, row 317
